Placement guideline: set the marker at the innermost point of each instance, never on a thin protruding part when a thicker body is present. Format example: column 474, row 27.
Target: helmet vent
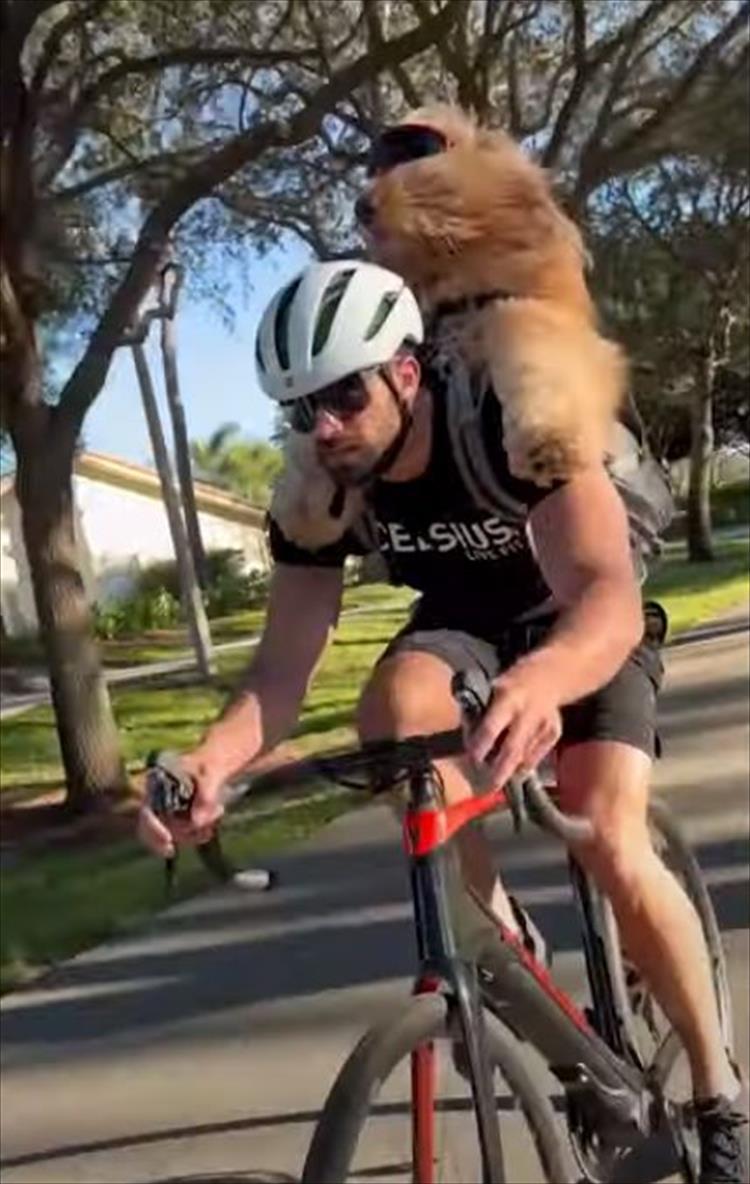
column 382, row 313
column 332, row 298
column 281, row 324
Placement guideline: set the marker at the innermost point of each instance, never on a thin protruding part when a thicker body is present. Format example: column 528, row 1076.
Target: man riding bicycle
column 541, row 594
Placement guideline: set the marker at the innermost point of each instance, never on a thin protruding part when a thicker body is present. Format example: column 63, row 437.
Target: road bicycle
column 427, row 1094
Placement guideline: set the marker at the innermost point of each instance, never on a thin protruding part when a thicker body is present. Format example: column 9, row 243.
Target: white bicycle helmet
column 331, row 321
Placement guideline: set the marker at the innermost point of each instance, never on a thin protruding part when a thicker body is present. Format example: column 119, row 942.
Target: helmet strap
column 391, row 453
column 395, row 448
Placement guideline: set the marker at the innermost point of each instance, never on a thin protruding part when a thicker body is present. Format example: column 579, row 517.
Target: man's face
column 350, row 446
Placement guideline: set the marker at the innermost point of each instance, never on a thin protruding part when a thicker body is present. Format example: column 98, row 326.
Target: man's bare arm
column 303, row 608
column 580, row 535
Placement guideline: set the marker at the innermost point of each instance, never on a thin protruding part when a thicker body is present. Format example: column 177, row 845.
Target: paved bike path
column 202, row 1048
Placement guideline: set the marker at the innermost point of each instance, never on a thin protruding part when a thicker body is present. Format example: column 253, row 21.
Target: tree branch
column 76, row 18
column 583, row 70
column 602, row 51
column 88, row 376
column 603, row 115
column 620, row 150
column 71, row 125
column 279, row 27
column 248, row 206
column 514, row 96
column 126, row 169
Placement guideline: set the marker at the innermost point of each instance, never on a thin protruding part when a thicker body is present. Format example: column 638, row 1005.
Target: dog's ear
column 457, row 125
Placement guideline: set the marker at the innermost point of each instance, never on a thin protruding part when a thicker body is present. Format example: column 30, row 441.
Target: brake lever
column 472, row 689
column 170, row 793
column 516, row 799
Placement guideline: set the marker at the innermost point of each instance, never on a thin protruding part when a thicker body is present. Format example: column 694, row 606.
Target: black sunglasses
column 342, row 399
column 397, row 145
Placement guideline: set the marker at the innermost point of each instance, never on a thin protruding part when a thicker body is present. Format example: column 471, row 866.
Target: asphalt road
column 202, row 1049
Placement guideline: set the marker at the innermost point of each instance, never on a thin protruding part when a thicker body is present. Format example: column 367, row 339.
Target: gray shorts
column 623, row 710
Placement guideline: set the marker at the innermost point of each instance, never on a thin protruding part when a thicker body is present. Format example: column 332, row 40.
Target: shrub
column 156, row 602
column 730, row 504
column 161, row 574
column 229, row 586
column 156, row 609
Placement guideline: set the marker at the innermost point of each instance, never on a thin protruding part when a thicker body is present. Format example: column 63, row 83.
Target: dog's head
column 474, row 215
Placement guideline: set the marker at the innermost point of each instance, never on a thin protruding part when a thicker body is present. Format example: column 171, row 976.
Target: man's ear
column 411, row 371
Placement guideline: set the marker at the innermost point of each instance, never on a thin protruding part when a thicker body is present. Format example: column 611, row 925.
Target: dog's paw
column 304, row 500
column 545, row 459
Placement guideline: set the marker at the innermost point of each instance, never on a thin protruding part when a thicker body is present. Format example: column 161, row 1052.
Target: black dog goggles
column 343, row 400
column 397, row 145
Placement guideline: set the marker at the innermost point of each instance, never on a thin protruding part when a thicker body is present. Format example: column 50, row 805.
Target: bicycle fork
column 440, row 960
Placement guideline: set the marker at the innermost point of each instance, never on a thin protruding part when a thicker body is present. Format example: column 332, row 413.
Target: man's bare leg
column 409, row 694
column 608, row 782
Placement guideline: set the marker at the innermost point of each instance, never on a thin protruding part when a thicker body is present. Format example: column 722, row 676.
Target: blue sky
column 216, row 368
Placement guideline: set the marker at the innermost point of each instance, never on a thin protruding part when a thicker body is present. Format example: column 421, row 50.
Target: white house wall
column 119, row 531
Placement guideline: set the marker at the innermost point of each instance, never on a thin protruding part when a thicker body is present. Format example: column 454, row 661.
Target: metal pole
column 170, row 291
column 191, row 595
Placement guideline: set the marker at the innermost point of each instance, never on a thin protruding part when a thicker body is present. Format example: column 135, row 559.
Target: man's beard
column 354, row 472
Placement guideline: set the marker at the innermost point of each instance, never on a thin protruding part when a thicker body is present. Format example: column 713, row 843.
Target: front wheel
column 401, row 1109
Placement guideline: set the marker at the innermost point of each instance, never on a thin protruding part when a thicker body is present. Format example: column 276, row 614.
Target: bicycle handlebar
column 170, row 789
column 526, row 793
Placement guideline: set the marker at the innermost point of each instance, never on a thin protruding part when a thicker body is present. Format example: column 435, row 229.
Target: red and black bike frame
column 452, row 945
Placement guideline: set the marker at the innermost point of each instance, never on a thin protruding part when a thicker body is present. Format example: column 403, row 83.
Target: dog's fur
column 479, row 218
column 476, row 219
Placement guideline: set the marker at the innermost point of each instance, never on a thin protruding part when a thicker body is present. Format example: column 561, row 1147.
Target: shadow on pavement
column 343, row 920
column 231, row 1178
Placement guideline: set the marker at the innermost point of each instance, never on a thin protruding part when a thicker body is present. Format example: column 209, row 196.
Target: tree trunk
column 699, row 534
column 192, row 601
column 182, row 448
column 89, row 743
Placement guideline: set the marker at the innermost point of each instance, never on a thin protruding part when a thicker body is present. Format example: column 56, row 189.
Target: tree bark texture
column 89, row 742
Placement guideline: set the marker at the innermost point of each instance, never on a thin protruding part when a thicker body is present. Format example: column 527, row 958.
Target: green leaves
column 246, row 467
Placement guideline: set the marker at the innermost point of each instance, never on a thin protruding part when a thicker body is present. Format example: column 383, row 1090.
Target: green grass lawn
column 165, row 644
column 693, row 593
column 99, row 892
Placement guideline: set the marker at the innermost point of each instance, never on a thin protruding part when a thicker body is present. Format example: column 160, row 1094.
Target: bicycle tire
column 379, row 1052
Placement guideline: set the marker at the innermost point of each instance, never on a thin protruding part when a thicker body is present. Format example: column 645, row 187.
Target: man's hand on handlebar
column 520, row 726
column 164, row 834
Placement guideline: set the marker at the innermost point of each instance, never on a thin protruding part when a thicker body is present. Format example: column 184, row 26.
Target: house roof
column 113, row 470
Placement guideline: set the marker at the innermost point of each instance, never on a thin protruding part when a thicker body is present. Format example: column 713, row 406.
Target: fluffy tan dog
column 481, row 217
column 475, row 219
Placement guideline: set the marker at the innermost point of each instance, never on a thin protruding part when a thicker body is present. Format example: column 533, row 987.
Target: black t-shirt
column 476, row 570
